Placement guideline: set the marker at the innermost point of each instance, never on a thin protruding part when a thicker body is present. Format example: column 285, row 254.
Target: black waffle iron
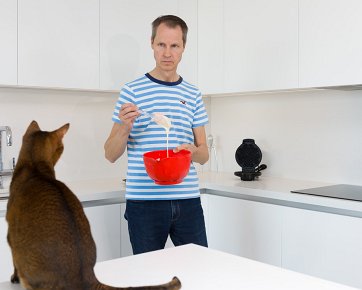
column 248, row 156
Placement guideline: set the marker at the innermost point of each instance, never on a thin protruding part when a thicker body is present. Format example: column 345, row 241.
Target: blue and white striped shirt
column 182, row 103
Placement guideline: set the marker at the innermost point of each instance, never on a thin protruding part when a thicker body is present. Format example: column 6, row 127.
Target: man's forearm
column 116, row 142
column 201, row 154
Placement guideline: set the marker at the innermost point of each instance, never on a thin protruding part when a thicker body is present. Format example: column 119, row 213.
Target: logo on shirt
column 183, row 102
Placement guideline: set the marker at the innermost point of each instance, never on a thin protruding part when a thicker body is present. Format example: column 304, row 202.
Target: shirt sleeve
column 200, row 115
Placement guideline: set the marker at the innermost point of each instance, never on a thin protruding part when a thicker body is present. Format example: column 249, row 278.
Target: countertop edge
column 266, row 189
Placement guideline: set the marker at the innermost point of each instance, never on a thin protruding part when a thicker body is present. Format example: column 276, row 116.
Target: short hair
column 171, row 21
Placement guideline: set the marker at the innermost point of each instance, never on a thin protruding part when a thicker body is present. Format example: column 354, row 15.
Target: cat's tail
column 174, row 284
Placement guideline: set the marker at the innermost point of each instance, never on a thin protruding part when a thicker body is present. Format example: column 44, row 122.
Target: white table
column 200, row 268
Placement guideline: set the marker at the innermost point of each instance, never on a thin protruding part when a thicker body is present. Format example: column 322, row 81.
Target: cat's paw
column 14, row 279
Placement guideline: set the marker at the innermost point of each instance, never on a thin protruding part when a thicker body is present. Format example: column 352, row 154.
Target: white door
column 59, row 43
column 261, row 45
column 330, row 42
column 245, row 228
column 8, row 40
column 106, row 230
column 125, row 44
column 6, row 260
column 323, row 245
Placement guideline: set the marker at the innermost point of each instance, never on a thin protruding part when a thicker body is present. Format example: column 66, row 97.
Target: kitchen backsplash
column 308, row 135
column 312, row 135
column 89, row 115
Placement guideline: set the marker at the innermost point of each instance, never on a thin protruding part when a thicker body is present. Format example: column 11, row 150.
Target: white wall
column 314, row 135
column 89, row 115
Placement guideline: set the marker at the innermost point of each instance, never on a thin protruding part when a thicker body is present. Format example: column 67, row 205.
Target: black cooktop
column 342, row 191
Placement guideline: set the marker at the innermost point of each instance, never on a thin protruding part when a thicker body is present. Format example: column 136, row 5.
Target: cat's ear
column 62, row 130
column 33, row 127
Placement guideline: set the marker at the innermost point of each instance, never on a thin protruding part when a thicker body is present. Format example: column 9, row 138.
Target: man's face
column 168, row 47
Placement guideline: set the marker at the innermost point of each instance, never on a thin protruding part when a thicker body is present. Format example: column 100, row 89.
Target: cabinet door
column 205, row 208
column 188, row 68
column 210, row 47
column 126, row 247
column 126, row 39
column 323, row 245
column 59, row 43
column 245, row 228
column 6, row 260
column 260, row 45
column 330, row 42
column 8, row 39
column 106, row 230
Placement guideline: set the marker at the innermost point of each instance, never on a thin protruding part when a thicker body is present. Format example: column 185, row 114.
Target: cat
column 48, row 232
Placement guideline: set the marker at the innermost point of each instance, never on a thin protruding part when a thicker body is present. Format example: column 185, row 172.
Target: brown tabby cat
column 49, row 234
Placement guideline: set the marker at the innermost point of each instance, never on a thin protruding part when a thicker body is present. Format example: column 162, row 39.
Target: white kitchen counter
column 201, row 268
column 276, row 191
column 265, row 189
column 90, row 192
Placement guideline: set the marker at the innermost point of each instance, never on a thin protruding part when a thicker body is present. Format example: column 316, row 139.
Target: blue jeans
column 151, row 221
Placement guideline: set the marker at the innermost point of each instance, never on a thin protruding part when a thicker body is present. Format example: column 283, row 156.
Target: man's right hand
column 117, row 140
column 128, row 113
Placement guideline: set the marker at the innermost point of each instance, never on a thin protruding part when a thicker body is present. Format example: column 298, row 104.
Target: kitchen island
column 201, row 268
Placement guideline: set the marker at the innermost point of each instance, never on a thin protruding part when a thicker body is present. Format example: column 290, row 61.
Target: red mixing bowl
column 167, row 170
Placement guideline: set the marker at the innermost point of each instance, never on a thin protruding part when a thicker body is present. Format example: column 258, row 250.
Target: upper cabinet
column 232, row 46
column 330, row 42
column 254, row 45
column 210, row 47
column 8, row 39
column 125, row 39
column 59, row 43
column 261, row 45
column 187, row 10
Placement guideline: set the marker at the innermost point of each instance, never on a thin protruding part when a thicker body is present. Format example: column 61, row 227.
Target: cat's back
column 45, row 209
column 41, row 196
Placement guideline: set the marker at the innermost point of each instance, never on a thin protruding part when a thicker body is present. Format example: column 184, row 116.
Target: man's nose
column 167, row 51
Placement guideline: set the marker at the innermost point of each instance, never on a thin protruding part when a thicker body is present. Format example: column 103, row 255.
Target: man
column 155, row 211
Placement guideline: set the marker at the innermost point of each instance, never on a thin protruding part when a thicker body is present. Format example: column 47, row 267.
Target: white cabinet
column 58, row 43
column 261, row 45
column 323, row 245
column 8, row 40
column 106, row 230
column 125, row 39
column 316, row 243
column 210, row 47
column 256, row 50
column 6, row 260
column 330, row 42
column 205, row 208
column 126, row 248
column 245, row 228
column 187, row 10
